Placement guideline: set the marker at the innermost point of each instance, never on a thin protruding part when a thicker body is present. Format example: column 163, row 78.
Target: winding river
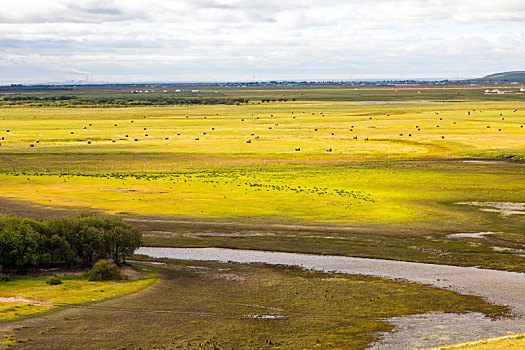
column 498, row 287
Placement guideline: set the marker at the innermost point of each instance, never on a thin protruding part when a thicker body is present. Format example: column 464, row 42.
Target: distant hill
column 506, row 76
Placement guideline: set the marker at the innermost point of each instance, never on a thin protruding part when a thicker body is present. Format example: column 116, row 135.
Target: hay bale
column 400, row 134
column 145, row 129
column 114, row 124
column 355, row 137
column 89, row 142
column 197, row 139
column 328, row 150
column 135, row 139
column 112, row 140
column 297, row 149
column 126, row 135
column 204, row 133
column 37, row 141
column 71, row 132
column 31, row 145
column 249, row 141
column 146, row 134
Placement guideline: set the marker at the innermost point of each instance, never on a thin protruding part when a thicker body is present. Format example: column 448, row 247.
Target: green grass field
column 385, row 182
column 364, row 181
column 75, row 289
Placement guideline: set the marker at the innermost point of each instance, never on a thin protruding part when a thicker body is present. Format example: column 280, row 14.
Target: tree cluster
column 74, row 101
column 74, row 240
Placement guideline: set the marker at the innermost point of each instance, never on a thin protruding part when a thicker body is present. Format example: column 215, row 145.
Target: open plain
column 424, row 175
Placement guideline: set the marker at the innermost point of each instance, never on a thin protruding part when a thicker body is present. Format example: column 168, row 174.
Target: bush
column 54, row 281
column 4, row 278
column 102, row 271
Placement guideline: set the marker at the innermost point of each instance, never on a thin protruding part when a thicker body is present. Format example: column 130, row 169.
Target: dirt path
column 421, row 331
column 21, row 300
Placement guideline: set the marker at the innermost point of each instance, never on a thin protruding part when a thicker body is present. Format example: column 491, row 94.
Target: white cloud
column 231, row 39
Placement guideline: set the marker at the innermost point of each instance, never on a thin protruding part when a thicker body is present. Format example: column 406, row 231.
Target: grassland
column 368, row 179
column 37, row 296
column 395, row 194
column 212, row 305
column 512, row 342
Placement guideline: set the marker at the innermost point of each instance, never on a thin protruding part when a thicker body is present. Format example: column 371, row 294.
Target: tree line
column 73, row 240
column 74, row 101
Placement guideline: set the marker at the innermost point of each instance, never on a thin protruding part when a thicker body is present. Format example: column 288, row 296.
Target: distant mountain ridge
column 506, row 76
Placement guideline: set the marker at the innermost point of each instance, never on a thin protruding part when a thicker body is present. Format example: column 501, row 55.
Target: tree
column 18, row 243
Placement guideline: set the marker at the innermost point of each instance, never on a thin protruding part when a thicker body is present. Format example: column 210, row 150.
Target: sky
column 255, row 40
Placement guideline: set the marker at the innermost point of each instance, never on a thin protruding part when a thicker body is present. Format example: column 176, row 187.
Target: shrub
column 54, row 281
column 102, row 271
column 4, row 278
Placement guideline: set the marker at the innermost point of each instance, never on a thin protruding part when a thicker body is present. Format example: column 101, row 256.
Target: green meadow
column 323, row 174
column 394, row 170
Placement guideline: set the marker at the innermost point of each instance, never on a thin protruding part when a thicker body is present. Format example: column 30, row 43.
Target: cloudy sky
column 218, row 40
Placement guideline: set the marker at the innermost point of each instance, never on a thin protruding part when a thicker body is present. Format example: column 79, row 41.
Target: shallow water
column 467, row 280
column 471, row 235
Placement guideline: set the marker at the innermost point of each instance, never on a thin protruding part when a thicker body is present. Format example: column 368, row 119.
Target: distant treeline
column 75, row 101
column 74, row 240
